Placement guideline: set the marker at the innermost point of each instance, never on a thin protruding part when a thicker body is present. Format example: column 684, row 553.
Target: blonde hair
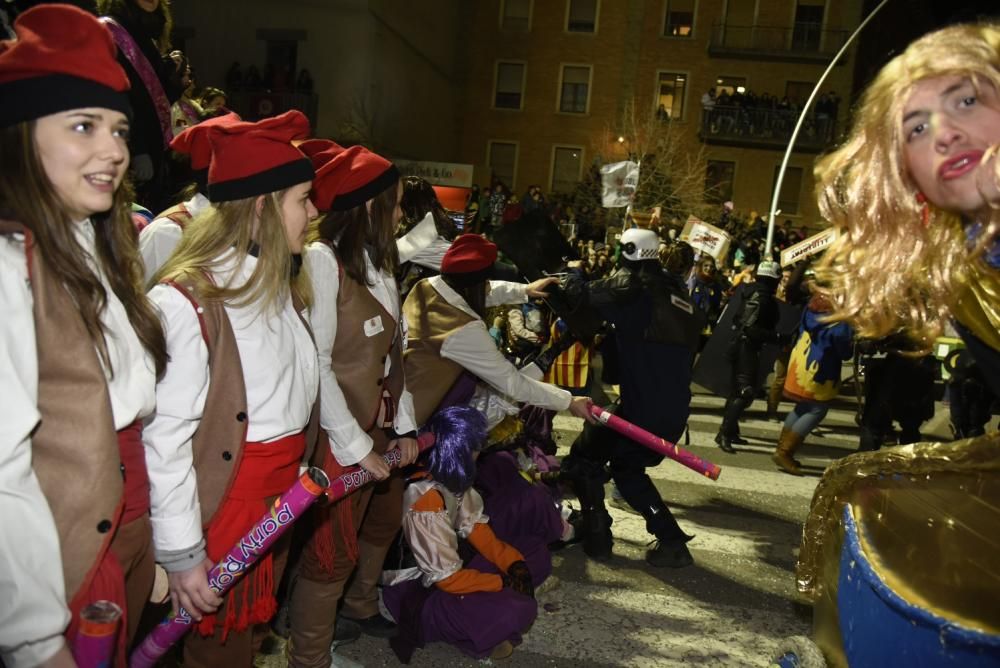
column 207, row 244
column 889, row 271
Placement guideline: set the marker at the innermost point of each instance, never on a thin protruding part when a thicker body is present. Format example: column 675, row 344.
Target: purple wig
column 459, row 431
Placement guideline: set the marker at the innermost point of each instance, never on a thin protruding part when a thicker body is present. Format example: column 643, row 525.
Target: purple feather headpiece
column 459, row 431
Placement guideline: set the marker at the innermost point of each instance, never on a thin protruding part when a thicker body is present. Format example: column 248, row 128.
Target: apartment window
column 671, row 89
column 678, row 18
column 730, row 85
column 502, row 160
column 515, row 15
column 510, row 86
column 582, row 16
column 808, row 25
column 566, row 164
column 791, row 187
column 575, row 89
column 719, row 181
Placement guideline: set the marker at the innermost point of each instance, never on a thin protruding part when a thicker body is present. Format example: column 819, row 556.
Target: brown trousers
column 132, row 546
column 239, row 648
column 377, row 510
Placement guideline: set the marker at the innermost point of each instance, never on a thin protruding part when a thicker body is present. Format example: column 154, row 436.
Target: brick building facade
column 544, row 80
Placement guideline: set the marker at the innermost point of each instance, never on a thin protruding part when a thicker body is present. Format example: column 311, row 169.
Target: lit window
column 510, row 85
column 582, row 16
column 791, row 186
column 730, row 85
column 502, row 160
column 575, row 89
column 671, row 89
column 679, row 18
column 515, row 15
column 566, row 164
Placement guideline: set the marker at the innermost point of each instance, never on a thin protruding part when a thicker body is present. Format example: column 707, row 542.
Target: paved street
column 729, row 609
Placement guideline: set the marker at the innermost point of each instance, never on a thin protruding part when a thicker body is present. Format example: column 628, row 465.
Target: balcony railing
column 765, row 128
column 801, row 41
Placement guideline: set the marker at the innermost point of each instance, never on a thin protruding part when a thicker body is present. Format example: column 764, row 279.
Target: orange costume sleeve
column 469, row 580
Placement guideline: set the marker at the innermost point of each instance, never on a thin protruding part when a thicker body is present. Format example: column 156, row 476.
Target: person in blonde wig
column 914, row 193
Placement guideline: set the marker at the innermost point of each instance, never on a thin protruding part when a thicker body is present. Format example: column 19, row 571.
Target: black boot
column 597, row 540
column 725, row 443
column 672, row 553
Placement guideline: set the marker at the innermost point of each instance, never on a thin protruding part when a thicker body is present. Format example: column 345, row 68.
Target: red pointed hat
column 194, row 141
column 62, row 58
column 348, row 178
column 469, row 253
column 250, row 159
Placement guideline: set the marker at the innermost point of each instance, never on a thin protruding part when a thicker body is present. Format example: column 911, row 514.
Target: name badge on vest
column 374, row 326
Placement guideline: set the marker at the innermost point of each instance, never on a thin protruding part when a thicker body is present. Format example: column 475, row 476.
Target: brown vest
column 358, row 361
column 218, row 442
column 430, row 319
column 75, row 448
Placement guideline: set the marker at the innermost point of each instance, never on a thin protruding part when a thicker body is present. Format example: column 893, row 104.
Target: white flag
column 619, row 181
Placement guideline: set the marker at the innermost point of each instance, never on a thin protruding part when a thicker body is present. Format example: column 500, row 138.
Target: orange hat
column 250, row 159
column 62, row 59
column 467, row 254
column 194, row 141
column 348, row 178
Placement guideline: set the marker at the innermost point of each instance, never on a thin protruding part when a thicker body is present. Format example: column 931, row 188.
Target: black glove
column 520, row 579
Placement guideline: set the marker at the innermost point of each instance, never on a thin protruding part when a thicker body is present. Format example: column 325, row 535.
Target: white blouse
column 280, row 371
column 158, row 240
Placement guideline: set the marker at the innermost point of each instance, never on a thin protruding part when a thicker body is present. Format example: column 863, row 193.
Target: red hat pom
column 469, row 253
column 251, row 159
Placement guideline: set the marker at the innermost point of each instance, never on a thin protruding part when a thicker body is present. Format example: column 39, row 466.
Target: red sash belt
column 266, row 470
column 136, row 477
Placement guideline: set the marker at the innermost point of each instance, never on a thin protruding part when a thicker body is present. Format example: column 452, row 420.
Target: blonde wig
column 208, row 245
column 890, row 270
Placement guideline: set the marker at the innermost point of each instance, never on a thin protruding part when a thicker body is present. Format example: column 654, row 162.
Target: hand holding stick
column 657, row 444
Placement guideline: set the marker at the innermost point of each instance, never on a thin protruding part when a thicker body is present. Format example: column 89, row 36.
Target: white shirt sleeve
column 348, row 441
column 156, row 243
column 33, row 614
column 472, row 347
column 505, row 292
column 168, row 435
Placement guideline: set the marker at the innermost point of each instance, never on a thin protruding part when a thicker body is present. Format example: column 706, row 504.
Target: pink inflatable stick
column 657, row 444
column 285, row 511
column 95, row 642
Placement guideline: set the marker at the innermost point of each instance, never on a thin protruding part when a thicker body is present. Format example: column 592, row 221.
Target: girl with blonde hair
column 914, row 192
column 229, row 432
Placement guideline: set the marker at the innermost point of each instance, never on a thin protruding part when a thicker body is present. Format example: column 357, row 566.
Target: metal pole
column 798, row 127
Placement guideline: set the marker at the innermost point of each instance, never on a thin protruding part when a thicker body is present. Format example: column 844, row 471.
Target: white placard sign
column 807, row 247
column 452, row 174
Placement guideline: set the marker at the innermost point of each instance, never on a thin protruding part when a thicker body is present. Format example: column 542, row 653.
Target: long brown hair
column 27, row 194
column 209, row 240
column 354, row 230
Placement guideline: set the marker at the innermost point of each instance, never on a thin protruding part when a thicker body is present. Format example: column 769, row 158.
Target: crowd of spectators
column 742, row 112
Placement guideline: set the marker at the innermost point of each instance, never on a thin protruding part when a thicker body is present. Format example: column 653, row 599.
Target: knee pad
column 746, row 393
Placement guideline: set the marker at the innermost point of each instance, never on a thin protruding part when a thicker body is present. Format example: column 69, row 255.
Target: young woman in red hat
column 81, row 343
column 232, row 409
column 365, row 408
